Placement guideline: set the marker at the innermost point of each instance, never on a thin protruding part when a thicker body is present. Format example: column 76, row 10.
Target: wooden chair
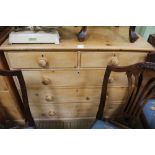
column 24, row 106
column 141, row 87
column 132, row 34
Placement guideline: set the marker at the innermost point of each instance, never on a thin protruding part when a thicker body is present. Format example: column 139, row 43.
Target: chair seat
column 149, row 113
column 100, row 124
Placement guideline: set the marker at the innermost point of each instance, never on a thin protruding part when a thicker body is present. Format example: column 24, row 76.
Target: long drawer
column 42, row 59
column 74, row 78
column 71, row 110
column 101, row 59
column 43, row 96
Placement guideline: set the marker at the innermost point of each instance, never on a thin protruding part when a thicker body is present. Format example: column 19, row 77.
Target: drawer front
column 82, row 78
column 40, row 96
column 8, row 106
column 66, row 110
column 71, row 110
column 42, row 59
column 101, row 59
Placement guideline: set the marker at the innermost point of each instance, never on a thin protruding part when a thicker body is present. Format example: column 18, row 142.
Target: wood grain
column 3, row 84
column 71, row 78
column 9, row 97
column 101, row 59
column 69, row 86
column 69, row 110
column 31, row 59
column 98, row 38
column 38, row 96
column 9, row 106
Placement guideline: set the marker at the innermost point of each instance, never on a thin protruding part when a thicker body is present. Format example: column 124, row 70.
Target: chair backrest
column 141, row 86
column 23, row 104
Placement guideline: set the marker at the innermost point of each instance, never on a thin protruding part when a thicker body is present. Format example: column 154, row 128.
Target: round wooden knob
column 114, row 61
column 87, row 98
column 46, row 81
column 42, row 62
column 49, row 98
column 111, row 80
column 51, row 113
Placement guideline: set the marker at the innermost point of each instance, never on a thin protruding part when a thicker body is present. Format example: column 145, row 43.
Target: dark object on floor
column 24, row 106
column 141, row 86
column 149, row 113
column 132, row 34
column 151, row 39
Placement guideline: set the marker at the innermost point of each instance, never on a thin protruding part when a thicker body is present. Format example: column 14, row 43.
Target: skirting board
column 64, row 124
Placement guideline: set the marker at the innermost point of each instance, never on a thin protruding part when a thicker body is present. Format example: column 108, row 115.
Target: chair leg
column 82, row 34
column 132, row 34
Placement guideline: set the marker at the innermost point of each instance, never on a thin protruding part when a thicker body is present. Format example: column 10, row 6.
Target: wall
column 144, row 31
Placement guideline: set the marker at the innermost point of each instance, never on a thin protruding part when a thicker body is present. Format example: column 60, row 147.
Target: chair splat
column 141, row 86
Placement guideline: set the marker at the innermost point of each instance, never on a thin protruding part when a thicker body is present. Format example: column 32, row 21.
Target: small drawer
column 67, row 110
column 52, row 78
column 33, row 59
column 102, row 59
column 63, row 78
column 43, row 96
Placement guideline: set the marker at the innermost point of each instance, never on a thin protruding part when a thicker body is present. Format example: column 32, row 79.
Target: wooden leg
column 132, row 34
column 82, row 34
column 151, row 39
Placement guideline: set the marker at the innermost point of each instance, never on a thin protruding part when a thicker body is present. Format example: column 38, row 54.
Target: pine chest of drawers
column 64, row 81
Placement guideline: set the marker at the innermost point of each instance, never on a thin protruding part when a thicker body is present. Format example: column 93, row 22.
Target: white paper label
column 80, row 46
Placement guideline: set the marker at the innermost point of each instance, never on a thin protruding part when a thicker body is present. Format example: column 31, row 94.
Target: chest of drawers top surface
column 98, row 38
